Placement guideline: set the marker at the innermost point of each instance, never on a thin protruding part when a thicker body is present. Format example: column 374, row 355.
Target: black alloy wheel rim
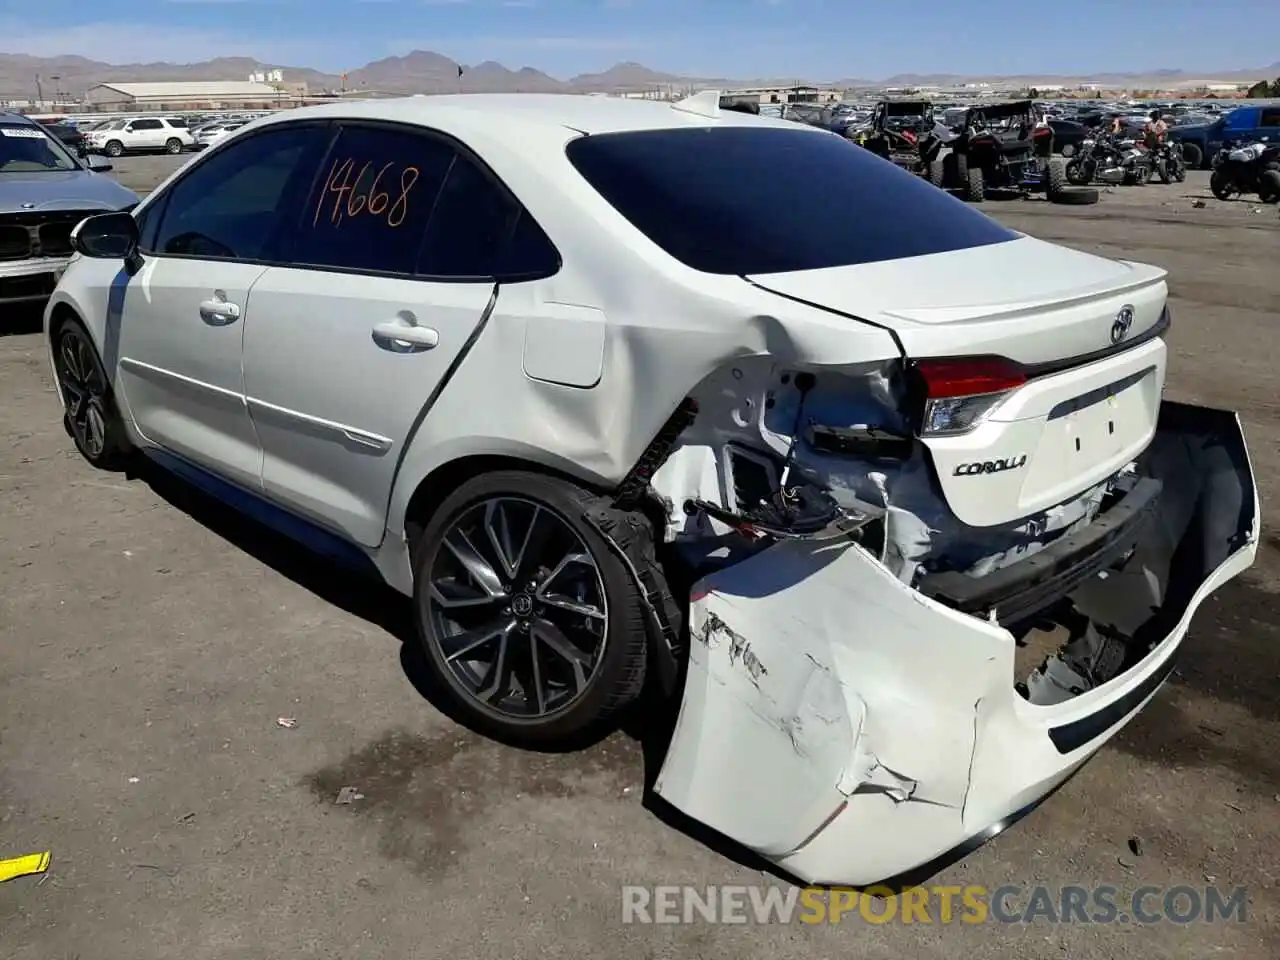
column 84, row 393
column 517, row 607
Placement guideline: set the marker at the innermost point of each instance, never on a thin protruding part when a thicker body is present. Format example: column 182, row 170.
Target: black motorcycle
column 1110, row 159
column 1168, row 162
column 1252, row 168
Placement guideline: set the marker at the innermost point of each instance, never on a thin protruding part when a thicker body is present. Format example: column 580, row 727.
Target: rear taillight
column 959, row 392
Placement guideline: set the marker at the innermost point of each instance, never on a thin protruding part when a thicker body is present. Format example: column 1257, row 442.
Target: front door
column 148, row 134
column 180, row 327
column 392, row 276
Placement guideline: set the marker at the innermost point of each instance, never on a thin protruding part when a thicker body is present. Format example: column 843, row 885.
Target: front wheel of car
column 113, row 149
column 173, row 145
column 527, row 616
column 91, row 415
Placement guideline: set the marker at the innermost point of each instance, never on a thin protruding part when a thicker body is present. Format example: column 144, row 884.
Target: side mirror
column 107, row 236
column 98, row 164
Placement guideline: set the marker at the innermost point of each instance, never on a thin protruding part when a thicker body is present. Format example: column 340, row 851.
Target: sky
column 783, row 39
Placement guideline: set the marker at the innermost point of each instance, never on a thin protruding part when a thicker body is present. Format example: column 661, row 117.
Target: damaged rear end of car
column 924, row 585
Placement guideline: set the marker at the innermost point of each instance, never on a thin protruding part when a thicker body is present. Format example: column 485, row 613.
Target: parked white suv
column 141, row 134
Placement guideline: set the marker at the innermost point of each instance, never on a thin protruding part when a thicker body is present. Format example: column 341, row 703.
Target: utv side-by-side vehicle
column 906, row 133
column 1003, row 146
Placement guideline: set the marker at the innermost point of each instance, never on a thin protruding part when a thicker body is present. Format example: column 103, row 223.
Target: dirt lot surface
column 149, row 642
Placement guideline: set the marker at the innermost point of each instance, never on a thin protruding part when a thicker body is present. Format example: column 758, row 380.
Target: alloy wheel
column 517, row 608
column 84, row 392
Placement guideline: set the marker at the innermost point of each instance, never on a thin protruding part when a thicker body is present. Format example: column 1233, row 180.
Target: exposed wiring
column 804, row 383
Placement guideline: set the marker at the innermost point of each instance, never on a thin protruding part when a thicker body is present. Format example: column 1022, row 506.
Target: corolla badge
column 978, row 467
column 1123, row 321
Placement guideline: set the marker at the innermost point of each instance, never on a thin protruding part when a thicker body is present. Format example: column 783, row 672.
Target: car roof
column 6, row 117
column 533, row 113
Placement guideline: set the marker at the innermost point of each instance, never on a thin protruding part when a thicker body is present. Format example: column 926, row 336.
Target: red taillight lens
column 959, row 392
column 969, row 376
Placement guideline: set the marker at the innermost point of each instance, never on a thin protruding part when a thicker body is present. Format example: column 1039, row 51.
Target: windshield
column 26, row 148
column 717, row 199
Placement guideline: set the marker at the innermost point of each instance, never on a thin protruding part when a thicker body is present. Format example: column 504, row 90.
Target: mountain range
column 425, row 72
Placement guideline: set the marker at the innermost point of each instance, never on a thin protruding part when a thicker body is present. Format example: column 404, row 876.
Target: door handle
column 404, row 338
column 219, row 311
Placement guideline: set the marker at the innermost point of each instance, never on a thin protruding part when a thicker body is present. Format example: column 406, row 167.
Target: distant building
column 193, row 95
column 796, row 94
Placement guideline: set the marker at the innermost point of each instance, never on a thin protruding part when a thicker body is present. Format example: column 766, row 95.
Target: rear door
column 392, row 272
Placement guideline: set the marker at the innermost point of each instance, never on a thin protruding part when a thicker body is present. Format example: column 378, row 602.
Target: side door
column 394, row 271
column 1240, row 126
column 180, row 329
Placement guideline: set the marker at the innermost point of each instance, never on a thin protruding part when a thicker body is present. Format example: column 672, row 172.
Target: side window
column 1270, row 117
column 179, row 122
column 147, row 125
column 1240, row 119
column 232, row 205
column 372, row 201
column 479, row 230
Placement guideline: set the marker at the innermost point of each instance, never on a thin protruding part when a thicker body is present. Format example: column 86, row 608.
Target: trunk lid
column 1027, row 300
column 1089, row 407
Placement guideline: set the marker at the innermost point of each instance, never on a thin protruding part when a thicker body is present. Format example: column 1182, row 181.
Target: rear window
column 752, row 200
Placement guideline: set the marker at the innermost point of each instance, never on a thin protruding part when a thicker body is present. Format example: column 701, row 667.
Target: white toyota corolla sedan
column 884, row 493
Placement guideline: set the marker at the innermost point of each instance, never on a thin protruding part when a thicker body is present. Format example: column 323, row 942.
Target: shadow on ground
column 1227, row 666
column 21, row 319
column 631, row 748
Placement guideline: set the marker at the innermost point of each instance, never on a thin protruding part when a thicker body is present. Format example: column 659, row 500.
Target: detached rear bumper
column 852, row 729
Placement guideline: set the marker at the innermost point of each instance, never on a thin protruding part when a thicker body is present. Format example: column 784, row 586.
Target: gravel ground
column 150, row 642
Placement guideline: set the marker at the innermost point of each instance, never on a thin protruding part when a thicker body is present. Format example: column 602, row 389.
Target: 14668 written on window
column 375, row 196
column 380, row 191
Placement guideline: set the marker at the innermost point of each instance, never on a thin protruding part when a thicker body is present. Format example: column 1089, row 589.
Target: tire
column 1076, row 196
column 173, row 145
column 91, row 416
column 950, row 171
column 1068, row 150
column 1055, row 178
column 1079, row 172
column 1192, row 155
column 937, row 172
column 114, row 148
column 972, row 184
column 1269, row 186
column 498, row 507
column 1222, row 186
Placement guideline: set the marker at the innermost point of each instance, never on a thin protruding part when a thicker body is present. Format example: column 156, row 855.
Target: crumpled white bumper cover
column 852, row 730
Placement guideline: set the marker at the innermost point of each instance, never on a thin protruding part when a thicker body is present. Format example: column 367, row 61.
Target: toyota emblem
column 1120, row 326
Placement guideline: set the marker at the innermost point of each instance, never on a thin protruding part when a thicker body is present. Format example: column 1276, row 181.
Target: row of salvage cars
column 995, row 146
column 813, row 476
